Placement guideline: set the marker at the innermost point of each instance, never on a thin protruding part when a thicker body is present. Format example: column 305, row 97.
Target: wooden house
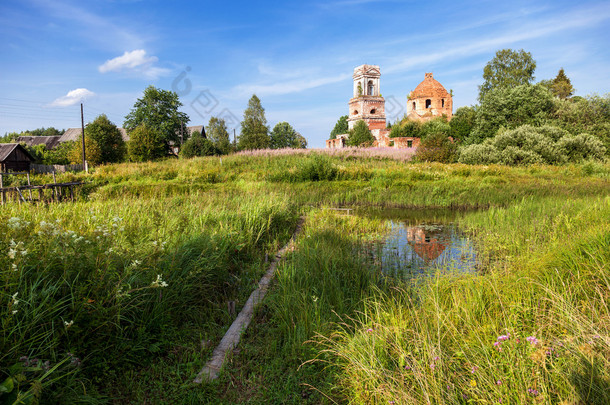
column 14, row 158
column 49, row 142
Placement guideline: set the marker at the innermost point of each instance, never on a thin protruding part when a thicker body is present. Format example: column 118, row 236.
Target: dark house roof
column 48, row 141
column 75, row 134
column 6, row 149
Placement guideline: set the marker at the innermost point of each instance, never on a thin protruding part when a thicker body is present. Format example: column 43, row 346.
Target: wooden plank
column 231, row 339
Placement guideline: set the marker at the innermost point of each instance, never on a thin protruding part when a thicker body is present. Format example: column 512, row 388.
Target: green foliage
column 254, row 131
column 436, row 147
column 581, row 147
column 510, row 108
column 197, row 145
column 158, row 109
column 93, row 153
column 590, row 115
column 360, row 135
column 435, row 126
column 507, row 69
column 462, row 123
column 527, row 145
column 341, row 127
column 216, row 132
column 108, row 139
column 284, row 135
column 561, row 86
column 146, row 143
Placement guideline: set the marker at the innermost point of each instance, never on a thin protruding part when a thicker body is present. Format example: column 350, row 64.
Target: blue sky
column 297, row 56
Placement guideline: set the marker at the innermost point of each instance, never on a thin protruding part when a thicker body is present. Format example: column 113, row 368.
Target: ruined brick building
column 429, row 99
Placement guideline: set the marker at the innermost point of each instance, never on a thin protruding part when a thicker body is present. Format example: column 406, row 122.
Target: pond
column 422, row 242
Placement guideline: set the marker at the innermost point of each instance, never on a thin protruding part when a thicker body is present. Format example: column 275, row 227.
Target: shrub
column 197, row 145
column 436, row 147
column 145, row 144
column 580, row 147
column 513, row 155
column 361, row 135
column 483, row 154
column 316, row 168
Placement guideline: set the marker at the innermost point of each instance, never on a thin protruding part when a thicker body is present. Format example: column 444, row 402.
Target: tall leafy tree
column 341, row 127
column 509, row 68
column 254, row 131
column 108, row 139
column 158, row 109
column 146, row 143
column 218, row 134
column 360, row 135
column 511, row 107
column 284, row 135
column 561, row 86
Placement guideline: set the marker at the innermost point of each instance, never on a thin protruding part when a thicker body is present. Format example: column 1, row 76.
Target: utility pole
column 234, row 138
column 82, row 122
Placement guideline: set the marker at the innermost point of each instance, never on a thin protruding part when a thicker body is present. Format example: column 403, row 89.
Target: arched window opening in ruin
column 443, row 103
column 355, row 112
column 373, row 111
column 414, row 105
column 371, row 88
column 428, row 103
column 409, row 144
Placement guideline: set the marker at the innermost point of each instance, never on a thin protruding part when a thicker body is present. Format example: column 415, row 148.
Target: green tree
column 284, row 135
column 462, row 123
column 510, row 108
column 197, row 145
column 146, row 143
column 507, row 69
column 254, row 131
column 218, row 134
column 158, row 109
column 93, row 153
column 360, row 135
column 561, row 86
column 436, row 126
column 341, row 127
column 108, row 139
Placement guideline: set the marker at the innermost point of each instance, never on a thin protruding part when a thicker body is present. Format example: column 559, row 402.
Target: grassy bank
column 123, row 295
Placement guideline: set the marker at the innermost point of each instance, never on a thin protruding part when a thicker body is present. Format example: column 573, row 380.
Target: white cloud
column 135, row 61
column 73, row 97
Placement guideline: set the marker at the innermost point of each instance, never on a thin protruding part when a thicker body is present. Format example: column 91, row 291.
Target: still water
column 423, row 242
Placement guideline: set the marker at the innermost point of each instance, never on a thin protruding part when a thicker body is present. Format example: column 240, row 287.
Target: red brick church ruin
column 427, row 101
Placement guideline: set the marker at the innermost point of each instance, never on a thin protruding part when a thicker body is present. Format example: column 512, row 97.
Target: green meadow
column 121, row 296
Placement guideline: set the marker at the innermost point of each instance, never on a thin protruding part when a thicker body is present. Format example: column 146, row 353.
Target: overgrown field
column 122, row 296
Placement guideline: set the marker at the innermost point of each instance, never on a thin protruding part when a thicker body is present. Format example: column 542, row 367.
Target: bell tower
column 367, row 104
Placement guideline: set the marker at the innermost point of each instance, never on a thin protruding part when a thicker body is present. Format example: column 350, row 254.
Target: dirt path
column 231, row 339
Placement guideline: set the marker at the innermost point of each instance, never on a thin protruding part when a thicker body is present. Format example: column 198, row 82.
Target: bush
column 197, row 145
column 479, row 154
column 527, row 144
column 581, row 147
column 436, row 147
column 360, row 135
column 316, row 168
column 145, row 144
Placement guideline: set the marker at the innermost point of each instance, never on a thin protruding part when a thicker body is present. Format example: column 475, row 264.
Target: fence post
column 2, row 187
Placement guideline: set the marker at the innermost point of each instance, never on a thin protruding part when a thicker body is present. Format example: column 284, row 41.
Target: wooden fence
column 55, row 168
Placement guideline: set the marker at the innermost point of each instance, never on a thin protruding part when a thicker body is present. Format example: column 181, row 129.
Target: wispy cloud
column 533, row 30
column 134, row 61
column 73, row 97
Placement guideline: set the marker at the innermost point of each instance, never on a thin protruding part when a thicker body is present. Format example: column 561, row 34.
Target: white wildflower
column 158, row 282
column 12, row 253
column 14, row 312
column 68, row 324
column 14, row 266
column 14, row 297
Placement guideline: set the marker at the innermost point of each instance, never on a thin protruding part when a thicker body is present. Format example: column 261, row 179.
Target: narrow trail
column 231, row 339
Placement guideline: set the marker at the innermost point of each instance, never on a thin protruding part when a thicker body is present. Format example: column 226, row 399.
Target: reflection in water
column 412, row 250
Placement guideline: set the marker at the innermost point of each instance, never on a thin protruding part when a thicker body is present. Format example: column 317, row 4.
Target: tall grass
column 533, row 329
column 104, row 285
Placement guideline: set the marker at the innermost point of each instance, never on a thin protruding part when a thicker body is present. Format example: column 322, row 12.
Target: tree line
column 157, row 129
